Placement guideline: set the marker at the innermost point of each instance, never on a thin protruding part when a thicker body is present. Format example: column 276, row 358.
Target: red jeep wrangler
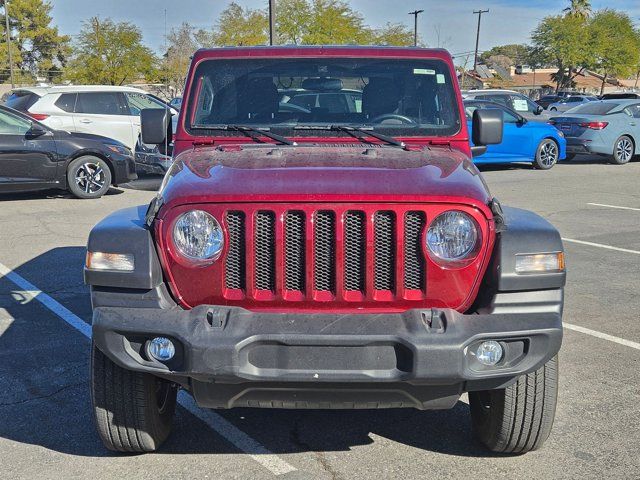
column 323, row 240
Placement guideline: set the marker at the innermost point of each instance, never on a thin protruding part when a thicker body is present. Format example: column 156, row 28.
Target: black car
column 36, row 157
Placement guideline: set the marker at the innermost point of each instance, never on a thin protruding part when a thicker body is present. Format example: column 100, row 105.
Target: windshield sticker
column 520, row 105
column 440, row 78
column 423, row 71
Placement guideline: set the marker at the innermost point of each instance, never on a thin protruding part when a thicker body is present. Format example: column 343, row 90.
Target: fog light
column 489, row 353
column 161, row 349
column 110, row 261
column 540, row 263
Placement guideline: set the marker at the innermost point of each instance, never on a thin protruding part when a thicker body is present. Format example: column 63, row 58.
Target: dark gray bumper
column 225, row 345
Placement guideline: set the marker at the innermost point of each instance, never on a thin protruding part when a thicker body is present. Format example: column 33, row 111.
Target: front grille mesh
column 354, row 251
column 324, row 252
column 294, row 251
column 235, row 266
column 414, row 268
column 384, row 251
column 265, row 251
column 358, row 268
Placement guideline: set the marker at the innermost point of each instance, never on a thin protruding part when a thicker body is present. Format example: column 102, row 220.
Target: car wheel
column 133, row 411
column 546, row 154
column 519, row 418
column 623, row 150
column 88, row 177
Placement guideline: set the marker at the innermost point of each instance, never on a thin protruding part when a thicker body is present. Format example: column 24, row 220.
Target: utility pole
column 8, row 36
column 475, row 58
column 272, row 21
column 415, row 14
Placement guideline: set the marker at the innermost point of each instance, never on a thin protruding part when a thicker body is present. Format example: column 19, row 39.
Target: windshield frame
column 292, row 129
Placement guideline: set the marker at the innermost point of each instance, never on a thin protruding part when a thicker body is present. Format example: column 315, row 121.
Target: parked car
column 547, row 100
column 538, row 143
column 510, row 99
column 107, row 111
column 322, row 94
column 364, row 264
column 606, row 127
column 620, row 96
column 34, row 156
column 570, row 102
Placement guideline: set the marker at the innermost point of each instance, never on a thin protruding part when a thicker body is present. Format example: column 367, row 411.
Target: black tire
column 519, row 418
column 623, row 150
column 88, row 177
column 128, row 414
column 546, row 155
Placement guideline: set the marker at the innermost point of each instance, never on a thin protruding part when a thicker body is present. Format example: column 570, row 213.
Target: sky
column 449, row 24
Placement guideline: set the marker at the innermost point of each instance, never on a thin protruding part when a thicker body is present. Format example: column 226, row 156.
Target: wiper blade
column 253, row 132
column 357, row 131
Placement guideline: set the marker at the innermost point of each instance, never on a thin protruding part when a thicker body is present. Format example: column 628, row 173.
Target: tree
column 579, row 8
column 181, row 43
column 565, row 41
column 110, row 53
column 38, row 50
column 335, row 22
column 396, row 34
column 615, row 44
column 238, row 26
column 519, row 54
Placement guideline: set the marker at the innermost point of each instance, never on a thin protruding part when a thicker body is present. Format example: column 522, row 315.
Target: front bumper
column 228, row 356
column 124, row 169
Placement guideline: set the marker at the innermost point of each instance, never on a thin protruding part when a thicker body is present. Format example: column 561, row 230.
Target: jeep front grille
column 325, row 253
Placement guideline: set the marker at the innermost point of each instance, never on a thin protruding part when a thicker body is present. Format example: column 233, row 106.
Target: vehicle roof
column 491, row 90
column 353, row 51
column 77, row 88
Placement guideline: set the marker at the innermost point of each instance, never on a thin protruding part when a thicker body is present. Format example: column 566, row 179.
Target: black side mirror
column 36, row 131
column 486, row 129
column 155, row 126
column 539, row 110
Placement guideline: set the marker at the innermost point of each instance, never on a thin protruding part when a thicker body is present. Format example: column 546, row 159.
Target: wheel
column 623, row 150
column 88, row 177
column 546, row 154
column 133, row 411
column 519, row 418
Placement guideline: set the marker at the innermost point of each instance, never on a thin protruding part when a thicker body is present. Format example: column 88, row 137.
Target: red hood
column 269, row 173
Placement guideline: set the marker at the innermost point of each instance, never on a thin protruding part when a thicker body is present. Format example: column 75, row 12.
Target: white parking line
column 223, row 427
column 600, row 245
column 614, row 206
column 604, row 336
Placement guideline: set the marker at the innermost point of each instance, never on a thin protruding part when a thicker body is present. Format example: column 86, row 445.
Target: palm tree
column 579, row 8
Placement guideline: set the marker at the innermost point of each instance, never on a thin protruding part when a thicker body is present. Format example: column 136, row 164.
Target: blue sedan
column 538, row 143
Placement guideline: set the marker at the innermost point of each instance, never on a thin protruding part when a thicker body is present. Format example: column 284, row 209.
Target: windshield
column 598, row 108
column 398, row 97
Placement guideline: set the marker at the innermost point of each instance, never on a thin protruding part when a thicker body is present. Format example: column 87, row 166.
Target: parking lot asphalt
column 45, row 419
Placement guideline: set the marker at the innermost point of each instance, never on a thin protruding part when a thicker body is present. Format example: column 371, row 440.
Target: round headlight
column 452, row 236
column 198, row 236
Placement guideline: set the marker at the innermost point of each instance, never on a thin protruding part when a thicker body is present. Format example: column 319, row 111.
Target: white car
column 113, row 112
column 570, row 102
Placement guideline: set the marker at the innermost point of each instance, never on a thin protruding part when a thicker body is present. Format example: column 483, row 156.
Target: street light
column 415, row 14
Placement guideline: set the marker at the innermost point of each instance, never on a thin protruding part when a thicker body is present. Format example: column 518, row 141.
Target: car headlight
column 198, row 236
column 121, row 149
column 452, row 236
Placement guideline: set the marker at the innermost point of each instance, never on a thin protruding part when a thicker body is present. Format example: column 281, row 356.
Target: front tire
column 546, row 155
column 519, row 418
column 133, row 411
column 623, row 150
column 88, row 177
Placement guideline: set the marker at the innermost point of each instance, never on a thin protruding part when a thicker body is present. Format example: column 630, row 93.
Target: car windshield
column 596, row 108
column 398, row 97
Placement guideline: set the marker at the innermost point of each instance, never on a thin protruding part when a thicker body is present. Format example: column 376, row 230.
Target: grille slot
column 235, row 266
column 265, row 252
column 414, row 268
column 384, row 251
column 354, row 251
column 324, row 251
column 294, row 251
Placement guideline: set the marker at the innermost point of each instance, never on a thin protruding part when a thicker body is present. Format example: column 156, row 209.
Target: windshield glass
column 398, row 97
column 598, row 108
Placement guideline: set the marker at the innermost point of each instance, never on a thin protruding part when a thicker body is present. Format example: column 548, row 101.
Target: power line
column 415, row 14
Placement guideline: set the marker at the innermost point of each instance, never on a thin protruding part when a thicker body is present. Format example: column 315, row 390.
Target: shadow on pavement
column 45, row 400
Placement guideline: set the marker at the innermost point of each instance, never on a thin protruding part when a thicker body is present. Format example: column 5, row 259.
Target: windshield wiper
column 357, row 131
column 253, row 132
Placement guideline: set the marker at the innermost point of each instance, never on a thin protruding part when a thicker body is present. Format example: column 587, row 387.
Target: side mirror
column 539, row 110
column 155, row 126
column 486, row 129
column 36, row 131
